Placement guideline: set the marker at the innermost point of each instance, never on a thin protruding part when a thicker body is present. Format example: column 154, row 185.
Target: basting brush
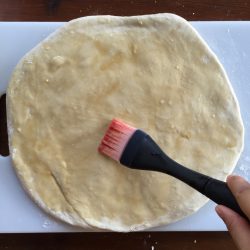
column 135, row 149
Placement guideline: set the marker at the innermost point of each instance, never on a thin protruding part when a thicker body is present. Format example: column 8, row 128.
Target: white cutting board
column 229, row 40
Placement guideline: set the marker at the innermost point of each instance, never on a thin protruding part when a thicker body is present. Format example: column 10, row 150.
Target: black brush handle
column 143, row 153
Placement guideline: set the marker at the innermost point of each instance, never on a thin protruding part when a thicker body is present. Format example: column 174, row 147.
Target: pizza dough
column 153, row 72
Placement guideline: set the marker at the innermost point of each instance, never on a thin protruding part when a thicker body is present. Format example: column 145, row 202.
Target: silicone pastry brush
column 135, row 149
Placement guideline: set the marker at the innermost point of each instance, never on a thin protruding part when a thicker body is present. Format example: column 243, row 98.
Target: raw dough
column 154, row 72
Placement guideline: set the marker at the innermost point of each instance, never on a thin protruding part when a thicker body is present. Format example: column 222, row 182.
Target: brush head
column 116, row 139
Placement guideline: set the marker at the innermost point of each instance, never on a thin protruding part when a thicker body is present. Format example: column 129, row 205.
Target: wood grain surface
column 118, row 241
column 64, row 10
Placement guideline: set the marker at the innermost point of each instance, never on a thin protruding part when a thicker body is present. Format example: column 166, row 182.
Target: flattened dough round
column 153, row 72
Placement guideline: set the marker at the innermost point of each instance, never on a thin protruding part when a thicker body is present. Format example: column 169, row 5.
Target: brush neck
column 143, row 153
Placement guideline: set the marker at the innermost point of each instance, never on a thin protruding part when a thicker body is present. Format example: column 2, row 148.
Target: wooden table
column 59, row 10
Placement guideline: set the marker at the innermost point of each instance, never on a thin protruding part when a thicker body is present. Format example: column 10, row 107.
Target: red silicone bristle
column 116, row 139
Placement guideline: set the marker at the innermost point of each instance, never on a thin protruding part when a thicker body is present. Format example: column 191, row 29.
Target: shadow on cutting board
column 4, row 148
